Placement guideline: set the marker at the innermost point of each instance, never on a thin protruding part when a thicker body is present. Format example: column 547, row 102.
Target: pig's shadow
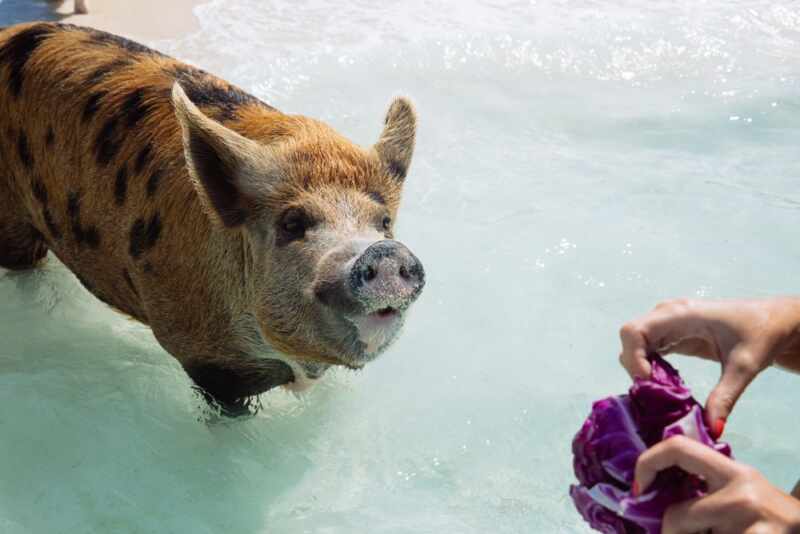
column 102, row 431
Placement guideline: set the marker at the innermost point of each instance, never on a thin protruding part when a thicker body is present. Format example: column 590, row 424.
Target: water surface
column 576, row 163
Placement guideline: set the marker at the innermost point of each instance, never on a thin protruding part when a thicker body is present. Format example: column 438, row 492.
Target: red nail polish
column 719, row 428
column 635, row 489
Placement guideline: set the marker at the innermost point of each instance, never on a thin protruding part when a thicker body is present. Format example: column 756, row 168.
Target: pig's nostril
column 369, row 273
column 404, row 274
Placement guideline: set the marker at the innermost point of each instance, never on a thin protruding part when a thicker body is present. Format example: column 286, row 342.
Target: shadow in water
column 16, row 11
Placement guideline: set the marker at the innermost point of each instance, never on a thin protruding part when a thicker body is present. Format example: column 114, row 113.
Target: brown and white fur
column 257, row 245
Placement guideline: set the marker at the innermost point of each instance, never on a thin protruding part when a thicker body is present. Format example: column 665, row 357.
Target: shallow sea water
column 575, row 164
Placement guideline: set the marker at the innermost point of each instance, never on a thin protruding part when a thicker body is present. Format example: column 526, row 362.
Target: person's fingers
column 737, row 373
column 702, row 347
column 634, row 351
column 670, row 325
column 695, row 515
column 689, row 455
column 681, row 326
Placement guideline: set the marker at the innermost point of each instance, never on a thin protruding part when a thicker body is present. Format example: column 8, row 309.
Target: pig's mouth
column 365, row 298
column 386, row 313
column 362, row 332
column 372, row 333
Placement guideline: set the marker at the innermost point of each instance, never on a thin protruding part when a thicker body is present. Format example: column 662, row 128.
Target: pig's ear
column 396, row 144
column 230, row 172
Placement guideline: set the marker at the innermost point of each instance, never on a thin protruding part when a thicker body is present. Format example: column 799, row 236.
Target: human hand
column 739, row 499
column 745, row 336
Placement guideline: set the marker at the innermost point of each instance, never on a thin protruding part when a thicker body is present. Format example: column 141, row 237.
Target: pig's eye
column 293, row 225
column 387, row 222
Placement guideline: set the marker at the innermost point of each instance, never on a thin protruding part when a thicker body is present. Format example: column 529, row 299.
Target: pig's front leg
column 233, row 383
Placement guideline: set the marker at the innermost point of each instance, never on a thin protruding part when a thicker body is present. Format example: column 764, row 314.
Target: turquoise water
column 576, row 163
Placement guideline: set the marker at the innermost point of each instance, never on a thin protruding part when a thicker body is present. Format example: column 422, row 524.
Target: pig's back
column 90, row 145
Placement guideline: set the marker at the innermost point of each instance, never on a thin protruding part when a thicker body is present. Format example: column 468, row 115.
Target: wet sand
column 142, row 20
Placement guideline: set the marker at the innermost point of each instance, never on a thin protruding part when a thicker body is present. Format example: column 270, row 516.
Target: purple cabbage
column 616, row 432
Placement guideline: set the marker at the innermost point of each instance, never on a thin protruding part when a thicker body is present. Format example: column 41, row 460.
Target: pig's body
column 93, row 168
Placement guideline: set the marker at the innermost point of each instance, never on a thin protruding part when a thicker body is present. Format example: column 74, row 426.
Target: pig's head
column 325, row 277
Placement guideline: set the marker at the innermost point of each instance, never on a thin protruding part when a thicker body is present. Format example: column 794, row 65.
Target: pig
column 258, row 246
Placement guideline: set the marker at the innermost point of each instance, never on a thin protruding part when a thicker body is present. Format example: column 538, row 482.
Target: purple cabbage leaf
column 610, row 441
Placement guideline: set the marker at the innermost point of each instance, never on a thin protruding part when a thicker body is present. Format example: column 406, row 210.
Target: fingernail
column 635, row 489
column 719, row 428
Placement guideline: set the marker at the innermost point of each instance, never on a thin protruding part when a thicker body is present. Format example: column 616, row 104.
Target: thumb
column 737, row 373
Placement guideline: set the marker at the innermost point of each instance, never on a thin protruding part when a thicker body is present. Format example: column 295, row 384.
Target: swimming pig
column 257, row 245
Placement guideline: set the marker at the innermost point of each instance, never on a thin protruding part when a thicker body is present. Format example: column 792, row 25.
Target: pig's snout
column 387, row 274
